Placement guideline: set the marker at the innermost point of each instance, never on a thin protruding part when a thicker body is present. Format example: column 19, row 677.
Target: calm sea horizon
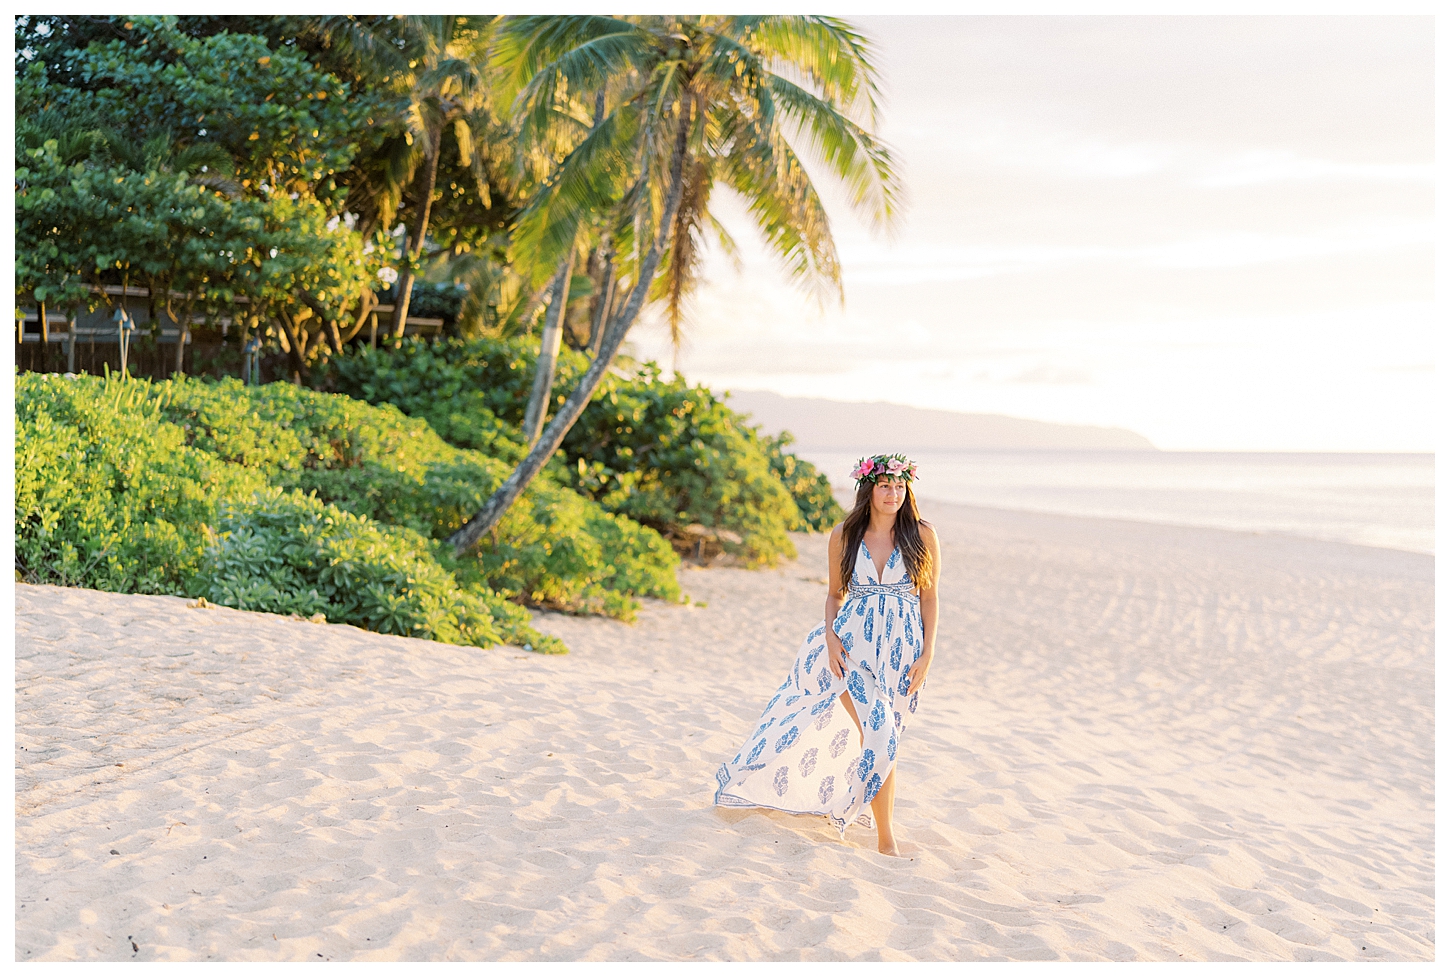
column 1384, row 500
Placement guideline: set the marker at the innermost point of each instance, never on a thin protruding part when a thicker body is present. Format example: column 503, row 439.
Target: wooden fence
column 91, row 341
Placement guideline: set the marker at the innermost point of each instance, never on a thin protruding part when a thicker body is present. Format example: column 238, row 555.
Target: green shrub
column 553, row 548
column 289, row 553
column 663, row 453
column 811, row 490
column 107, row 494
column 471, row 392
column 671, row 455
column 287, row 500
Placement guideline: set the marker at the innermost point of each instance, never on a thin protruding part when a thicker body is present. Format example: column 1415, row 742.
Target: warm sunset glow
column 1215, row 231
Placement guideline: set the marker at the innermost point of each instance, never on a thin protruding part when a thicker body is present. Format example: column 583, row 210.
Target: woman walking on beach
column 807, row 756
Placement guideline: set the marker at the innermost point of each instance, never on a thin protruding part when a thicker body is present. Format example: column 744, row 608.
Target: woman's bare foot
column 887, row 846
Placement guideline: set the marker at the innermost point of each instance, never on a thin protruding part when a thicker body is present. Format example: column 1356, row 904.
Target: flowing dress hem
column 723, row 799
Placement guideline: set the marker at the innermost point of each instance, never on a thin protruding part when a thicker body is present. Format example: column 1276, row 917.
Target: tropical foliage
column 538, row 182
column 133, row 487
column 668, row 454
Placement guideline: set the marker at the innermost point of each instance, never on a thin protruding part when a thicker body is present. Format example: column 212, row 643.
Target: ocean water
column 1385, row 500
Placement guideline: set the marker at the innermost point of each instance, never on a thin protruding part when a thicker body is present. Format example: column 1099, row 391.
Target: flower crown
column 870, row 469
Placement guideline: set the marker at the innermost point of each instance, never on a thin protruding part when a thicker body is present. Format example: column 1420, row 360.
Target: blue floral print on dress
column 868, row 760
column 857, row 687
column 827, row 716
column 838, row 743
column 808, row 761
column 787, row 739
column 782, row 781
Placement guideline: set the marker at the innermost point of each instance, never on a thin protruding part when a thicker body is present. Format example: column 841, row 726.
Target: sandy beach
column 1137, row 742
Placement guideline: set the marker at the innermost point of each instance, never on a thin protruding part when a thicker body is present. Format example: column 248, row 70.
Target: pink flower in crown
column 862, row 469
column 895, row 466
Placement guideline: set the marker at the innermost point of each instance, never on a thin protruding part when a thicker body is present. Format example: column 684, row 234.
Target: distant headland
column 831, row 425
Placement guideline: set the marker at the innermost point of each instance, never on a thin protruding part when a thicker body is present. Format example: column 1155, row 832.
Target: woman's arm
column 835, row 654
column 918, row 670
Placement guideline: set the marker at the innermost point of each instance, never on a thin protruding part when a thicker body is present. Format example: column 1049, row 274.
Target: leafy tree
column 229, row 193
column 688, row 102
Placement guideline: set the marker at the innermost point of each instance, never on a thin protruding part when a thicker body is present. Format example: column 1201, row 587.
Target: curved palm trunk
column 603, row 302
column 487, row 517
column 420, row 231
column 548, row 352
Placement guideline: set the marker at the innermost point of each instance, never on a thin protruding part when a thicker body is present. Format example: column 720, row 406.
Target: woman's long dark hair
column 906, row 534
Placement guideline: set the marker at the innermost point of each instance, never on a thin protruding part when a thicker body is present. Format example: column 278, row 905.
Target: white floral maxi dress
column 805, row 756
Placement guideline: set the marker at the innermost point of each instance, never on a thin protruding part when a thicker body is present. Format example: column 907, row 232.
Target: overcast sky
column 1215, row 231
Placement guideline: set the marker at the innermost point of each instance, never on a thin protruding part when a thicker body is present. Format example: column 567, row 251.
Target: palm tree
column 438, row 65
column 689, row 102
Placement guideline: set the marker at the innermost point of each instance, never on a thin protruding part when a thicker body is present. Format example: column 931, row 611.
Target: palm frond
column 777, row 190
column 854, row 156
column 726, row 240
column 679, row 271
column 586, row 185
column 584, row 52
column 834, row 57
column 372, row 54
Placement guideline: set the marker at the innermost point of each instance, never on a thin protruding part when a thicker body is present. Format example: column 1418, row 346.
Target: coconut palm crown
column 748, row 90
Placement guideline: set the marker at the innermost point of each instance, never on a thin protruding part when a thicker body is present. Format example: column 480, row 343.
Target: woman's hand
column 835, row 654
column 916, row 674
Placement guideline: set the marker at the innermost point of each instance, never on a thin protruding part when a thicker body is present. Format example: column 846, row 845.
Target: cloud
column 1043, row 373
column 879, row 264
column 1018, row 145
column 1258, row 167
